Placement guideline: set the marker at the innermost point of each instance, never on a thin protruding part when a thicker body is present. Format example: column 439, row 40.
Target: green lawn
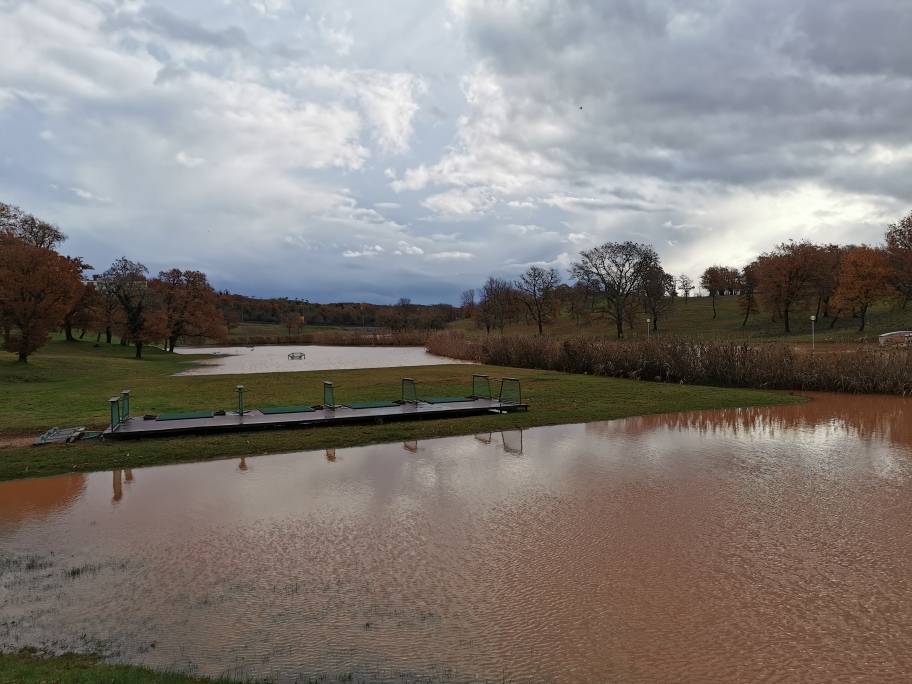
column 695, row 319
column 68, row 384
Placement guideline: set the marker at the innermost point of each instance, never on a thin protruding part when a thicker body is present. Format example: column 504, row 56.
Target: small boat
column 296, row 356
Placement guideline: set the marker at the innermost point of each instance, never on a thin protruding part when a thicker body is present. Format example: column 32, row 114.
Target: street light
column 813, row 320
column 648, row 321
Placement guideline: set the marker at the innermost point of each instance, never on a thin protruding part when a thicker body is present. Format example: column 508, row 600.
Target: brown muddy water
column 770, row 543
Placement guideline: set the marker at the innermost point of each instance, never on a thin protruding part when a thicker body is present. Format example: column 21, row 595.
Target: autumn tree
column 747, row 296
column 899, row 253
column 106, row 306
column 713, row 281
column 79, row 311
column 618, row 268
column 864, row 278
column 785, row 278
column 535, row 289
column 190, row 306
column 658, row 293
column 143, row 322
column 825, row 261
column 467, row 304
column 36, row 287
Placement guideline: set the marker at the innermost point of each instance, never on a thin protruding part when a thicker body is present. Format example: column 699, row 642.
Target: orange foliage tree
column 36, row 288
column 190, row 306
column 899, row 252
column 865, row 277
column 785, row 279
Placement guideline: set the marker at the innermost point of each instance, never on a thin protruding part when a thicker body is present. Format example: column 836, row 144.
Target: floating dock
column 412, row 406
column 137, row 427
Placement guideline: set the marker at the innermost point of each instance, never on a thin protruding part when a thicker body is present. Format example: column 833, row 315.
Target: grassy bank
column 68, row 384
column 27, row 667
column 694, row 319
column 863, row 369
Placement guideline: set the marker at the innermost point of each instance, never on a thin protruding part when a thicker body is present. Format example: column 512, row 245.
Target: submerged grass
column 29, row 667
column 68, row 384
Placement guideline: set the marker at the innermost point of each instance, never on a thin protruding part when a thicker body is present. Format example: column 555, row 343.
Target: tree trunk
column 864, row 313
column 68, row 332
column 785, row 317
column 108, row 335
column 714, row 305
column 139, row 348
column 23, row 357
column 747, row 313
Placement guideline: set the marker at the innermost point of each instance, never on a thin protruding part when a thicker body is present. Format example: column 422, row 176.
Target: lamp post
column 648, row 321
column 813, row 320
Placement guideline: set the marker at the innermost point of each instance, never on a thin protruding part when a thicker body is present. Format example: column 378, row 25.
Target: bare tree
column 468, row 303
column 496, row 302
column 129, row 285
column 619, row 268
column 536, row 287
column 31, row 230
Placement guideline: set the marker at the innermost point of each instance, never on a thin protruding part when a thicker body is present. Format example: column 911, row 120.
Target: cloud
column 406, row 249
column 451, row 256
column 365, row 251
column 188, row 160
column 710, row 129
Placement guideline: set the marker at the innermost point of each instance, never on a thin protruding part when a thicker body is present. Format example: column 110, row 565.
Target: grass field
column 695, row 319
column 68, row 384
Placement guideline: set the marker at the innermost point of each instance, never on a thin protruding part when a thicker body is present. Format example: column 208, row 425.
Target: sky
column 363, row 150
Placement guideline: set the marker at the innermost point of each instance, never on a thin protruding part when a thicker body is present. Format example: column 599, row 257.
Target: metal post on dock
column 329, row 395
column 115, row 412
column 240, row 396
column 124, row 404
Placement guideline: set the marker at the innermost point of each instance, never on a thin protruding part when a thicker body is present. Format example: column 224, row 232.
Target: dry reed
column 679, row 360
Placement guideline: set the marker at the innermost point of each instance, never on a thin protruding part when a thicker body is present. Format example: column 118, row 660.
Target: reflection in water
column 35, row 499
column 118, row 486
column 512, row 441
column 769, row 543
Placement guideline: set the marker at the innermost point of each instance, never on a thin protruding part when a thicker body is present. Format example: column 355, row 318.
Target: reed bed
column 728, row 364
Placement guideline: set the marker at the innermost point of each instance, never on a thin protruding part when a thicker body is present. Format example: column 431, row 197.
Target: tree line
column 42, row 290
column 295, row 314
column 833, row 281
column 624, row 280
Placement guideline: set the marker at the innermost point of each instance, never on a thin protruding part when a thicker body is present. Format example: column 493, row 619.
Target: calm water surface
column 729, row 545
column 274, row 358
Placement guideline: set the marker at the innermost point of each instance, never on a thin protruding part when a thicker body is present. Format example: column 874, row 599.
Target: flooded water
column 770, row 543
column 274, row 358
